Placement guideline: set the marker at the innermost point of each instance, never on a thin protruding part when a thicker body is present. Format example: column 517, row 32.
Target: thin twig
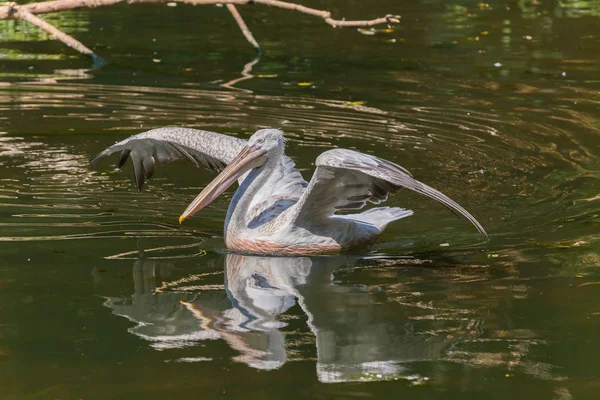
column 326, row 15
column 244, row 28
column 57, row 34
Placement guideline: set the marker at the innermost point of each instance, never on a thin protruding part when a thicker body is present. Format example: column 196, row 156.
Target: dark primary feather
column 346, row 179
column 122, row 159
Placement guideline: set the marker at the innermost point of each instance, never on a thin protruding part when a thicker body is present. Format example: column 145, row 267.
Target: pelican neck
column 242, row 199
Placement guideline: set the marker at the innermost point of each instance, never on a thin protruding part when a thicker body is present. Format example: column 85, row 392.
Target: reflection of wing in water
column 162, row 318
column 361, row 336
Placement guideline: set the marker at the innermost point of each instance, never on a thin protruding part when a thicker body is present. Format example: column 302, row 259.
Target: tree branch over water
column 28, row 12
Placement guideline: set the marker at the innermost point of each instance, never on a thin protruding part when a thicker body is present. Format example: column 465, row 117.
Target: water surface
column 104, row 295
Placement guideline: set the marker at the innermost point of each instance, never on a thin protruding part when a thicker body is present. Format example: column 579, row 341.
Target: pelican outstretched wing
column 164, row 145
column 206, row 149
column 347, row 180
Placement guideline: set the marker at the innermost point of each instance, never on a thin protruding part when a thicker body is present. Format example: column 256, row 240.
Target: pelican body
column 274, row 210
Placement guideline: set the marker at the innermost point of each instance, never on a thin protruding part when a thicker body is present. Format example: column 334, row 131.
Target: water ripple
column 523, row 171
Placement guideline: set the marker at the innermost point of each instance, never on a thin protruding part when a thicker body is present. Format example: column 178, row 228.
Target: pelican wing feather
column 347, row 180
column 210, row 150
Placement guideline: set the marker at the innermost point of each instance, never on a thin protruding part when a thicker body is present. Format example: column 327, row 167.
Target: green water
column 103, row 295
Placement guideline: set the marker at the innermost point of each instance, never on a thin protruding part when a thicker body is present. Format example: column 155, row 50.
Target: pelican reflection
column 358, row 334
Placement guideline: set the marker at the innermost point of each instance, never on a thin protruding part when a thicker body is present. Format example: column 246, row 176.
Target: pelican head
column 262, row 145
column 269, row 139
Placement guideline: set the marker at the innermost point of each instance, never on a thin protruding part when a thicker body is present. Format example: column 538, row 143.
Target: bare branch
column 55, row 6
column 63, row 5
column 240, row 21
column 389, row 19
column 19, row 13
column 27, row 13
column 326, row 15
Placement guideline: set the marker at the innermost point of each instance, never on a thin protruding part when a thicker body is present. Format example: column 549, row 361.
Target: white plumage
column 274, row 210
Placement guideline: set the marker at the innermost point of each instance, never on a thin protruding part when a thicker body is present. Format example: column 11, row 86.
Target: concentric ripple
column 522, row 172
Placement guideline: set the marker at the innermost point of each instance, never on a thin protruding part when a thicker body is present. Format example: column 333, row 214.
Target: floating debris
column 190, row 359
column 497, row 65
column 267, row 76
column 368, row 32
column 305, row 84
column 156, row 60
column 558, row 245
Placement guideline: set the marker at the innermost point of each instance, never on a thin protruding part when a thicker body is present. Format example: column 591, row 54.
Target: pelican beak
column 250, row 157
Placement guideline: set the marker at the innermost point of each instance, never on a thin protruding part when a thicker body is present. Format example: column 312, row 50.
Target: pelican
column 274, row 210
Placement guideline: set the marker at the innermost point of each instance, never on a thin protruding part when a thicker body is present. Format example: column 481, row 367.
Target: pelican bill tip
column 181, row 218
